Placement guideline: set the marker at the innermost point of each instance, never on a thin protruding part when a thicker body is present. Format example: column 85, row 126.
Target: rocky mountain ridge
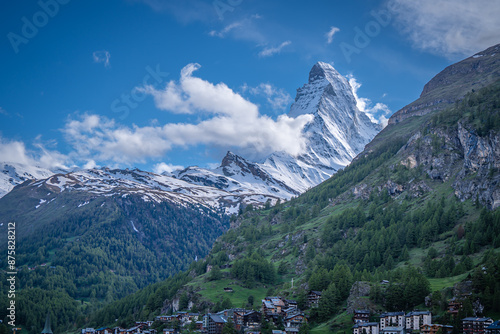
column 451, row 84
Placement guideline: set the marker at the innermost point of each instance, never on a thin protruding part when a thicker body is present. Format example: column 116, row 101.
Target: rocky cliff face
column 459, row 156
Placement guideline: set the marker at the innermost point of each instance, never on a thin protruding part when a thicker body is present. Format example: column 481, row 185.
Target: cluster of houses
column 140, row 327
column 421, row 321
column 285, row 313
column 278, row 309
column 282, row 312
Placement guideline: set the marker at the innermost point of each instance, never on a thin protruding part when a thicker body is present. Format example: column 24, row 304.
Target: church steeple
column 47, row 329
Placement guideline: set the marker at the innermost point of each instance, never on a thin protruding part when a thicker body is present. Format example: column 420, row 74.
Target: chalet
column 291, row 330
column 289, row 303
column 454, row 305
column 252, row 319
column 145, row 324
column 149, row 331
column 199, row 325
column 163, row 318
column 193, row 317
column 134, row 330
column 267, row 307
column 168, row 331
column 415, row 319
column 393, row 330
column 243, row 318
column 313, row 298
column 239, row 319
column 103, row 330
column 215, row 323
column 118, row 330
column 434, row 328
column 392, row 319
column 494, row 328
column 366, row 327
column 228, row 290
column 295, row 321
column 474, row 325
column 272, row 305
column 361, row 316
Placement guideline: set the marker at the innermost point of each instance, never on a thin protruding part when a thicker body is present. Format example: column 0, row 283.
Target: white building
column 366, row 328
column 391, row 319
column 415, row 319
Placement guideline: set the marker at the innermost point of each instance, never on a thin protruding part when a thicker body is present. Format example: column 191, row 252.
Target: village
column 283, row 313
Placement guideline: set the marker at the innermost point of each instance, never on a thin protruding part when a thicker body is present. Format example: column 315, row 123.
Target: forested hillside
column 81, row 257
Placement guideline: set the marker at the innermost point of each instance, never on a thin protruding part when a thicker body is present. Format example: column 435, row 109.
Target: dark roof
column 418, row 313
column 476, row 319
column 362, row 311
column 316, row 292
column 495, row 325
column 391, row 314
column 217, row 318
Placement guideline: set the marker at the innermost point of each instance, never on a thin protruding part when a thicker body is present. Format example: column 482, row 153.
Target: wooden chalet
column 361, row 316
column 313, row 298
column 434, row 328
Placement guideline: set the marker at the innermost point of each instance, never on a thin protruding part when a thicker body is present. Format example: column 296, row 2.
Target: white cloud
column 270, row 51
column 330, row 33
column 3, row 111
column 96, row 137
column 222, row 33
column 277, row 98
column 16, row 152
column 91, row 164
column 166, row 168
column 229, row 121
column 449, row 27
column 377, row 113
column 244, row 29
column 101, row 57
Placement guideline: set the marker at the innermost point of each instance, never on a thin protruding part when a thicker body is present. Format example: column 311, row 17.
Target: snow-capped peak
column 321, row 71
column 337, row 133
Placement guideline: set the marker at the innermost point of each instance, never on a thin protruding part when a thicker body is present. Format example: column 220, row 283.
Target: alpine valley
column 413, row 205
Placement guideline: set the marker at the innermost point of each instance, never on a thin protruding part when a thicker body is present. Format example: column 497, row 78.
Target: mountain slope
column 106, row 233
column 451, row 84
column 13, row 174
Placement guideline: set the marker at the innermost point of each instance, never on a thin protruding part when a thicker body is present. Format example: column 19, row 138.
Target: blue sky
column 156, row 84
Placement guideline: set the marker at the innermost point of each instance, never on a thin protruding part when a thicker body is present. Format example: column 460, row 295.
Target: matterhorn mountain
column 337, row 133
